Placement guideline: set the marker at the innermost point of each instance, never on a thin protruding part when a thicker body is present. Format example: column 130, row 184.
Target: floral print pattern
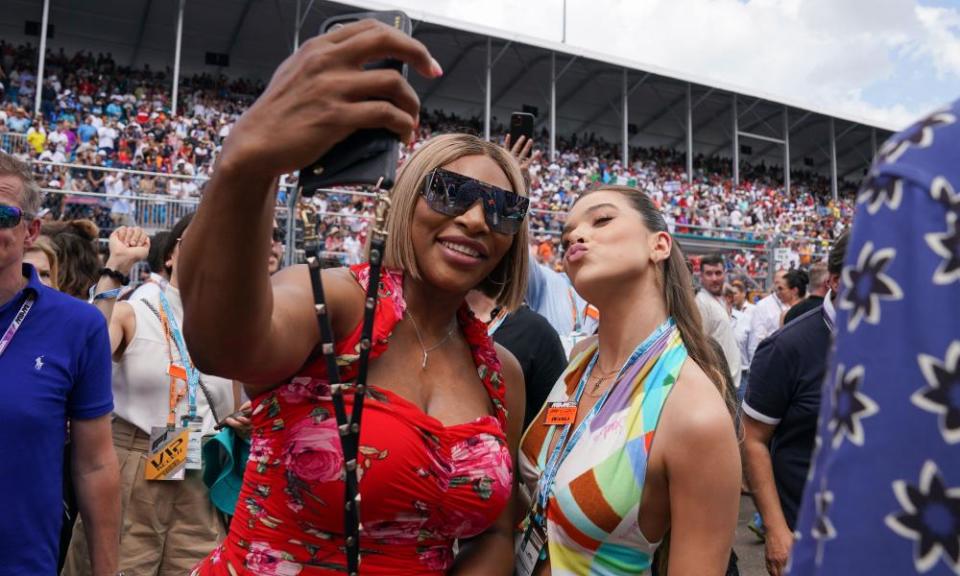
column 423, row 484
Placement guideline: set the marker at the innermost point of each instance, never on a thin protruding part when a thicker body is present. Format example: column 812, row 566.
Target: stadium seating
column 97, row 114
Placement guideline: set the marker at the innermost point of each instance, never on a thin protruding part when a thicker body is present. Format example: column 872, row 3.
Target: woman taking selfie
column 436, row 442
column 636, row 440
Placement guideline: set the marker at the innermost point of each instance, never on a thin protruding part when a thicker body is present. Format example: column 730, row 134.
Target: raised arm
column 128, row 245
column 238, row 325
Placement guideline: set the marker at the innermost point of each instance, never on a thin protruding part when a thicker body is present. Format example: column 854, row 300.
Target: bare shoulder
column 293, row 295
column 297, row 277
column 123, row 312
column 125, row 319
column 696, row 415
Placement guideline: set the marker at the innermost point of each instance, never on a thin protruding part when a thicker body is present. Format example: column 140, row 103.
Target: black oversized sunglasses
column 453, row 194
column 10, row 216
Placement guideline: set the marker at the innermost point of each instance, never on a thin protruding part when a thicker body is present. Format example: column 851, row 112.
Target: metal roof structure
column 488, row 74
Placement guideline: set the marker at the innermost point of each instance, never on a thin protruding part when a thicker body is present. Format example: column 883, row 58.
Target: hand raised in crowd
column 128, row 245
column 321, row 94
column 522, row 150
column 778, row 546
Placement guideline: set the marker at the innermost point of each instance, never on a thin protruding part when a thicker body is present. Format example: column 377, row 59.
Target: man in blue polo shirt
column 54, row 367
column 780, row 411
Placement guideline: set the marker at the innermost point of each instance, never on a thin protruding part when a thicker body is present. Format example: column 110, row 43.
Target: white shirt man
column 736, row 219
column 106, row 136
column 742, row 318
column 225, row 131
column 175, row 188
column 57, row 138
column 766, row 319
column 351, row 245
column 115, row 184
column 718, row 324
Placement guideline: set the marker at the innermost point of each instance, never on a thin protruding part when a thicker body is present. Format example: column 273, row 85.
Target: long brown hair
column 76, row 245
column 676, row 286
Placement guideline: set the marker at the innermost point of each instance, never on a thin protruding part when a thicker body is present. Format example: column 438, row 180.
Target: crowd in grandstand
column 524, row 411
column 96, row 113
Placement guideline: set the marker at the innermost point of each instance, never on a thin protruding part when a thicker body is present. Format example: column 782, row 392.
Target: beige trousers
column 167, row 527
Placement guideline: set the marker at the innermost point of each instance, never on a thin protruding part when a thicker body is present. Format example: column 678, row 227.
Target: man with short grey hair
column 816, row 290
column 54, row 368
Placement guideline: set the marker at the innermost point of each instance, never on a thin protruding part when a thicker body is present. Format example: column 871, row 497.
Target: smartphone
column 366, row 157
column 245, row 412
column 521, row 124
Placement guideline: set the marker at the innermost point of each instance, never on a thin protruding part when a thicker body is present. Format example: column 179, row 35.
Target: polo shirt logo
column 38, row 363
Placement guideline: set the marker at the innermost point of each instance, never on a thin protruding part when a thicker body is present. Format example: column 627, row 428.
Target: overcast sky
column 884, row 60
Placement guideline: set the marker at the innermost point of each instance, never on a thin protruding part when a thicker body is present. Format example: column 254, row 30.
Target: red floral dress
column 423, row 485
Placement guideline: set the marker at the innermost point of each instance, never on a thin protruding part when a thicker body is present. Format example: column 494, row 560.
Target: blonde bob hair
column 509, row 279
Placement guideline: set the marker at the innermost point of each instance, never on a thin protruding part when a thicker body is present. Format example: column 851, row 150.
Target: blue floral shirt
column 883, row 496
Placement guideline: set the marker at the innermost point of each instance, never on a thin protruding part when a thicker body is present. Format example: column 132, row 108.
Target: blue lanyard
column 193, row 375
column 493, row 326
column 563, row 448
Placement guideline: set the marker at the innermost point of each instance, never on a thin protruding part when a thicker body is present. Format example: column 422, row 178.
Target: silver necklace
column 427, row 351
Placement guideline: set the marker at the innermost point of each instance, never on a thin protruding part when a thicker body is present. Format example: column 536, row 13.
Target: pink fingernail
column 435, row 68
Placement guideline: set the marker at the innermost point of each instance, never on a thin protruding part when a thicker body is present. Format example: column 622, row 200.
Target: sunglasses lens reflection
column 10, row 216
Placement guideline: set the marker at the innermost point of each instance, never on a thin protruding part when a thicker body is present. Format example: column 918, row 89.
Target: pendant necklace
column 427, row 351
column 600, row 379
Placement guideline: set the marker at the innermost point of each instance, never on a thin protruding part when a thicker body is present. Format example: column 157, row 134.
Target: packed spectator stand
column 106, row 147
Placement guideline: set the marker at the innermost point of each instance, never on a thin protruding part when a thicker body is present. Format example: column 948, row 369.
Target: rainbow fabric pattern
column 593, row 511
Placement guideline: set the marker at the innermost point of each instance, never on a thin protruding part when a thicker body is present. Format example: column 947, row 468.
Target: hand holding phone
column 520, row 139
column 322, row 94
column 366, row 157
column 521, row 124
column 238, row 419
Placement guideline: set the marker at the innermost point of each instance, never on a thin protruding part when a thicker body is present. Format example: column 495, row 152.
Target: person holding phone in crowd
column 444, row 405
column 615, row 461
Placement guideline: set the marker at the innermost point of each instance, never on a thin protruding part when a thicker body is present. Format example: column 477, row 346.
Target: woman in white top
column 169, row 523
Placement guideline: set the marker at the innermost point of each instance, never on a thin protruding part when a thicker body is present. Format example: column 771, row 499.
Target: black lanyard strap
column 349, row 426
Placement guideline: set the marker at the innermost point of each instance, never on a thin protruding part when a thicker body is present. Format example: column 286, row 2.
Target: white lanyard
column 17, row 321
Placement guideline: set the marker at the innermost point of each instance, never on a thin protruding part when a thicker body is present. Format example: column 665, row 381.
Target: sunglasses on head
column 10, row 216
column 453, row 194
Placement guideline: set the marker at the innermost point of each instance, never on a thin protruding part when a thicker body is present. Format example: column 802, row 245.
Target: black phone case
column 521, row 124
column 366, row 157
